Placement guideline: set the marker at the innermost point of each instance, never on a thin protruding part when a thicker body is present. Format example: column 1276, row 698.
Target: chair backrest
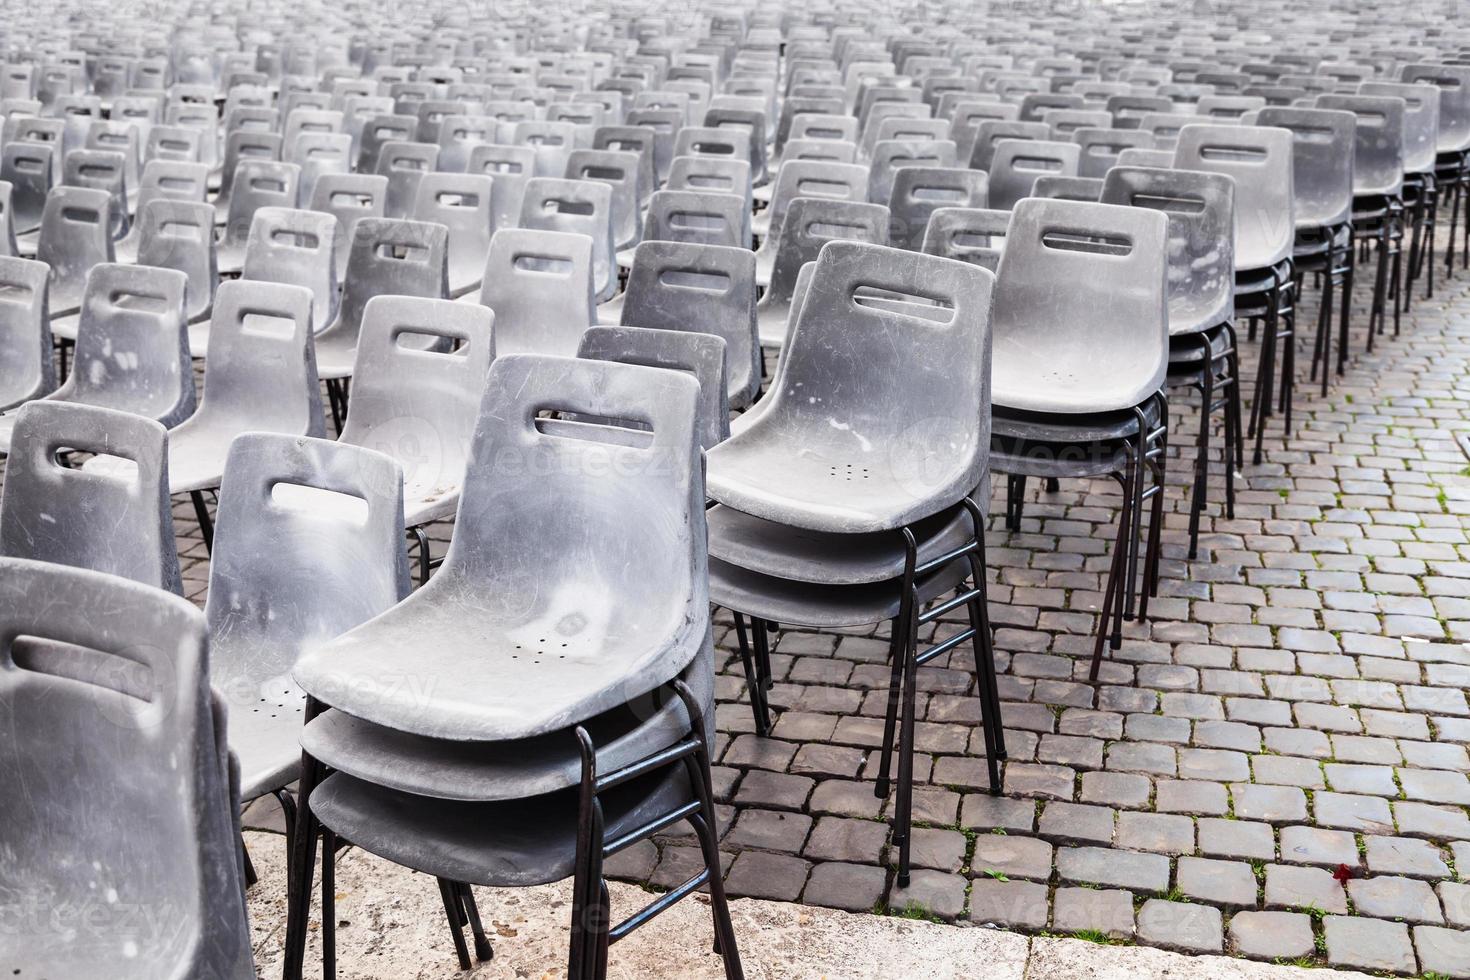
column 631, row 139
column 974, row 235
column 553, row 143
column 258, row 184
column 600, row 507
column 419, row 405
column 889, row 157
column 132, row 348
column 1260, row 160
column 119, row 136
column 1102, row 343
column 297, row 248
column 26, row 367
column 126, row 797
column 404, row 163
column 180, row 143
column 1017, row 164
column 1322, row 148
column 812, row 222
column 8, row 245
column 582, row 207
column 178, row 180
column 1453, row 82
column 990, row 133
column 380, row 129
column 732, row 144
column 308, row 543
column 920, row 191
column 246, row 144
column 1100, row 148
column 1378, row 160
column 701, row 355
column 1421, row 120
column 540, row 285
column 114, row 523
column 889, row 356
column 664, row 123
column 708, row 218
column 709, row 288
column 814, row 179
column 510, row 168
column 462, row 204
column 74, row 239
column 102, row 170
column 1201, row 245
column 619, row 170
column 261, row 370
column 174, row 234
column 751, row 122
column 349, row 198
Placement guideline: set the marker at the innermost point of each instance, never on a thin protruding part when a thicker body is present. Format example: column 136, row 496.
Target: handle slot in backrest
column 181, row 228
column 136, row 302
column 1172, row 203
column 294, row 238
column 1233, row 154
column 904, row 302
column 352, row 199
column 81, row 215
column 319, row 502
column 112, row 670
column 180, row 185
column 627, row 433
column 696, row 220
column 1037, row 164
column 824, row 230
column 268, row 185
column 709, row 282
column 457, row 199
column 711, row 148
column 562, row 205
column 402, row 252
column 943, row 195
column 599, row 172
column 1074, row 240
column 975, row 239
column 554, row 265
column 817, row 187
column 1304, row 133
column 267, row 323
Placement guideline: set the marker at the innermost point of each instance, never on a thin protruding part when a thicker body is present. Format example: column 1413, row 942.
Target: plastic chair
column 306, row 548
column 101, row 170
column 509, row 168
column 809, row 463
column 1260, row 160
column 176, row 234
column 540, row 285
column 990, row 133
column 170, row 179
column 8, row 246
column 701, row 355
column 699, row 217
column 1100, row 148
column 127, row 782
column 27, row 167
column 1421, row 191
column 243, row 144
column 1452, row 172
column 26, row 367
column 258, row 184
column 797, row 179
column 119, row 524
column 582, row 207
column 419, row 406
column 1078, row 374
column 1017, row 164
column 388, row 258
column 74, row 239
column 297, row 248
column 348, row 198
column 404, row 164
column 974, row 235
column 710, row 288
column 552, row 143
column 891, row 156
column 717, row 175
column 810, row 223
column 1201, row 290
column 920, row 191
column 378, row 130
column 462, row 204
column 1322, row 182
column 619, row 171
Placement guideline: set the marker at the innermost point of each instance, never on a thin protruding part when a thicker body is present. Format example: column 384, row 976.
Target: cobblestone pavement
column 1275, row 766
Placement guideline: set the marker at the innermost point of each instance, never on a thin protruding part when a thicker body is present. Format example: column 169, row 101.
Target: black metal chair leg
column 753, row 682
column 483, row 949
column 1109, row 613
column 206, row 526
column 303, row 861
column 897, row 631
column 425, row 558
column 449, row 894
column 329, row 905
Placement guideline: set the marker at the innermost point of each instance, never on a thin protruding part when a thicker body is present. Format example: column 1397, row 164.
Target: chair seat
column 7, row 428
column 779, row 600
column 765, row 263
column 772, row 318
column 827, row 559
column 335, row 355
column 65, row 326
column 610, row 314
column 451, row 662
column 491, row 771
column 1191, row 315
column 265, row 733
column 1188, row 351
column 511, row 844
column 196, row 455
column 843, row 487
column 1065, row 447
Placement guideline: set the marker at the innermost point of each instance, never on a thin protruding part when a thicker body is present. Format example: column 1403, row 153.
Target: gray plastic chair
column 101, row 170
column 317, row 154
column 714, row 174
column 803, row 179
column 127, row 787
column 920, row 191
column 1100, row 148
column 1018, row 163
column 118, row 523
column 419, row 406
column 746, row 120
column 811, row 223
column 459, row 134
column 631, row 139
column 709, row 288
column 462, row 203
column 974, row 235
column 178, row 143
column 243, row 144
column 297, row 248
column 552, row 142
column 307, row 546
column 540, row 285
column 404, row 163
column 700, row 217
column 891, row 156
column 699, row 354
column 27, row 167
column 258, row 184
column 377, row 130
column 618, row 170
column 179, row 235
column 509, row 167
column 74, row 240
column 1421, row 193
column 991, row 132
column 1452, row 173
column 1078, row 374
column 1201, row 289
column 349, row 197
column 27, row 370
column 388, row 257
column 170, row 179
column 581, row 207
